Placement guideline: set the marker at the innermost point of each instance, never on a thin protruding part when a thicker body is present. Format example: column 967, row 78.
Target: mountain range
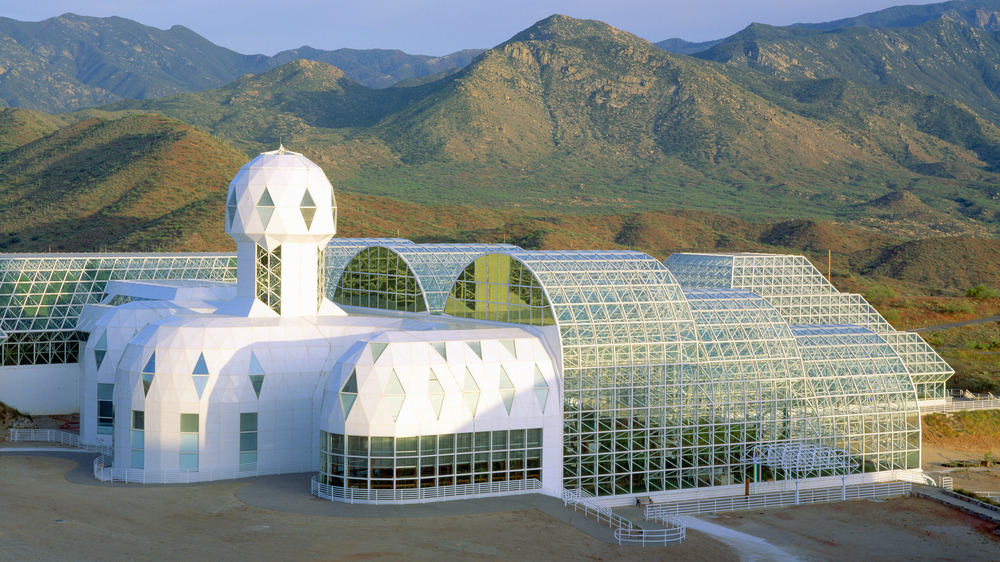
column 71, row 62
column 886, row 123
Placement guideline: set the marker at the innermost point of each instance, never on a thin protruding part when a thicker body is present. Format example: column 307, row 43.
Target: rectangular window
column 105, row 408
column 189, row 442
column 138, row 439
column 248, row 441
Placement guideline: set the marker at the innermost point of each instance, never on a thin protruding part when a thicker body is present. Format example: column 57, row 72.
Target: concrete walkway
column 749, row 547
column 940, row 327
column 972, row 508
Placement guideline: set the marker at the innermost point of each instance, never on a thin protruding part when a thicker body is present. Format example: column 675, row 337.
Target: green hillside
column 143, row 182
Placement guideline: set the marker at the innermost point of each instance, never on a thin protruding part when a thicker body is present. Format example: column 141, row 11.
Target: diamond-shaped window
column 541, row 388
column 308, row 209
column 200, row 375
column 349, row 393
column 265, row 207
column 101, row 349
column 148, row 372
column 256, row 374
column 395, row 395
column 436, row 393
column 471, row 390
column 506, row 390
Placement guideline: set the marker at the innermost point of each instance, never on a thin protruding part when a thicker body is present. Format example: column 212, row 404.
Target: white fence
column 105, row 471
column 56, row 436
column 625, row 532
column 660, row 511
column 962, row 405
column 424, row 495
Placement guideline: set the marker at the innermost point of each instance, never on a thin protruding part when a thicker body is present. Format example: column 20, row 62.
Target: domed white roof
column 281, row 197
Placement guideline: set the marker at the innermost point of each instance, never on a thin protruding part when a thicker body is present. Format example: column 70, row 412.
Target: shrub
column 981, row 291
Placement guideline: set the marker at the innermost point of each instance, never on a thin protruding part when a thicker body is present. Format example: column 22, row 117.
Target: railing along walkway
column 660, row 511
column 56, row 436
column 625, row 532
column 961, row 405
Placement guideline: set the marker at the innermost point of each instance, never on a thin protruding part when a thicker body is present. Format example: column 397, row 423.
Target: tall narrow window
column 248, row 441
column 189, row 442
column 105, row 408
column 138, row 439
column 269, row 277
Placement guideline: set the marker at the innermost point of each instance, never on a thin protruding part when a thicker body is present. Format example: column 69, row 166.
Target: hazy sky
column 437, row 27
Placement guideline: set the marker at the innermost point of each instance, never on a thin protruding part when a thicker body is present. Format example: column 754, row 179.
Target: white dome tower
column 281, row 211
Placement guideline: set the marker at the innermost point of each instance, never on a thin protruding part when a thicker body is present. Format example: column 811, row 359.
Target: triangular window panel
column 540, row 379
column 394, row 386
column 542, row 394
column 257, row 381
column 199, row 383
column 437, row 401
column 505, row 383
column 395, row 404
column 255, row 368
column 471, row 392
column 441, row 348
column 508, row 399
column 200, row 368
column 434, row 385
column 477, row 347
column 99, row 357
column 230, row 215
column 148, row 372
column 351, row 386
column 509, row 344
column 377, row 349
column 265, row 208
column 347, row 401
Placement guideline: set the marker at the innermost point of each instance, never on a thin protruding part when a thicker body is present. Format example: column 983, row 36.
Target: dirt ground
column 976, row 479
column 43, row 516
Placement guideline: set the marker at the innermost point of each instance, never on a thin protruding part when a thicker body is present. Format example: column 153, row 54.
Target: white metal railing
column 941, row 481
column 56, row 436
column 625, row 532
column 961, row 405
column 990, row 495
column 659, row 511
column 105, row 471
column 423, row 495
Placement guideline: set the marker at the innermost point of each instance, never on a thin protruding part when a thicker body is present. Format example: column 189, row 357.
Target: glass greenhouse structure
column 695, row 372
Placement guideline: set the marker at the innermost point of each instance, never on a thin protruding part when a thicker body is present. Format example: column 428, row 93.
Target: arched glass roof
column 406, row 276
column 862, row 394
column 628, row 345
column 750, row 383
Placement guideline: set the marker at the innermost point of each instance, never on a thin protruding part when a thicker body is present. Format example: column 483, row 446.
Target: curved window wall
column 354, row 461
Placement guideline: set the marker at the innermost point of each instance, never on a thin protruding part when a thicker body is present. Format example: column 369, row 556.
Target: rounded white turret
column 281, row 197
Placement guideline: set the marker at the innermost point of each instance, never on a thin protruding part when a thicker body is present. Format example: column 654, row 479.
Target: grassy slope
column 580, row 115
